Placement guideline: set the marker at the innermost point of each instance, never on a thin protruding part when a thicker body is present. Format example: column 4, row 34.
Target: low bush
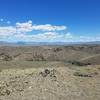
column 79, row 63
column 82, row 75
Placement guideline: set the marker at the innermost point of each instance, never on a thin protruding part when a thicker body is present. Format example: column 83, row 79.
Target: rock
column 49, row 73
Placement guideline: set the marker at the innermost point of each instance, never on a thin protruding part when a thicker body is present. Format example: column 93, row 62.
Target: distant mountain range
column 20, row 43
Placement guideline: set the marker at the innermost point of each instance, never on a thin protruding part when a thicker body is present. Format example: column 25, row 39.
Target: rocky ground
column 50, row 72
column 59, row 83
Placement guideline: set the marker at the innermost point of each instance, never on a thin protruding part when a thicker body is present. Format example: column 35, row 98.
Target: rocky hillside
column 50, row 53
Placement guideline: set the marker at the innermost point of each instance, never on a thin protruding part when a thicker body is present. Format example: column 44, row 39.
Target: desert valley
column 50, row 72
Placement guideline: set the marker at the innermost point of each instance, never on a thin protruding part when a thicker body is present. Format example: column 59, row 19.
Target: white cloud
column 46, row 36
column 25, row 27
column 48, row 27
column 7, row 31
column 28, row 27
column 20, row 31
column 47, row 32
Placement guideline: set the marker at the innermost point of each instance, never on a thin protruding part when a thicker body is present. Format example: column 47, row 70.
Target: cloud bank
column 30, row 32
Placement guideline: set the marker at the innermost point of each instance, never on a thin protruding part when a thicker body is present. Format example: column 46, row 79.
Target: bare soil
column 50, row 73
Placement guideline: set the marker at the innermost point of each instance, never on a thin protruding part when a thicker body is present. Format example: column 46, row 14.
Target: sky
column 49, row 20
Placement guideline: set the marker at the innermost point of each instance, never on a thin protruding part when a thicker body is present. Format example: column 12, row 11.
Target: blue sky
column 49, row 20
